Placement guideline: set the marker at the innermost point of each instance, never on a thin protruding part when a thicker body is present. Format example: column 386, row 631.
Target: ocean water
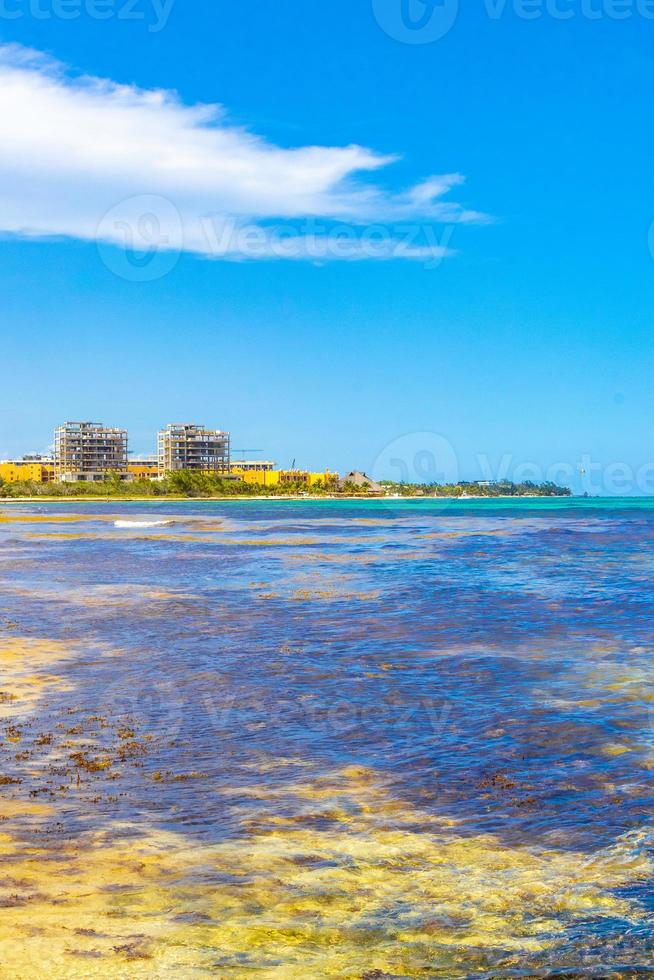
column 327, row 739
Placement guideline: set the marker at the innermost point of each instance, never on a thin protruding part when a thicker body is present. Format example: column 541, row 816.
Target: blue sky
column 530, row 344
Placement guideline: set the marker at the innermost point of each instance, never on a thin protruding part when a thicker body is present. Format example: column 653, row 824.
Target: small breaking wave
column 139, row 524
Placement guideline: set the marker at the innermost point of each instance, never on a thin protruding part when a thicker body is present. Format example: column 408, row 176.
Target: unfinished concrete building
column 192, row 447
column 88, row 451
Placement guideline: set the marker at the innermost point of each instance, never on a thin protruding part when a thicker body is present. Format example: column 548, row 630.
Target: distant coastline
column 203, row 486
column 236, row 497
column 297, row 497
column 270, row 498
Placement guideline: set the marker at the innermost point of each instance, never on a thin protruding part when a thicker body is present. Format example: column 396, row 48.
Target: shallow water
column 327, row 739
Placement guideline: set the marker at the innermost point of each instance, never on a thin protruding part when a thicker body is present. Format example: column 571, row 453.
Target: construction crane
column 244, row 451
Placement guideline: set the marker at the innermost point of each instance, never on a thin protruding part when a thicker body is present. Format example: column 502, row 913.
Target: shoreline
column 284, row 498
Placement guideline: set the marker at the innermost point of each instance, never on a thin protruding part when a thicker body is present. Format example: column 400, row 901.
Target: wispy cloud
column 79, row 155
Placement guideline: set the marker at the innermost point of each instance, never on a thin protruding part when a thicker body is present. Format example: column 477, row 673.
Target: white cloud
column 80, row 156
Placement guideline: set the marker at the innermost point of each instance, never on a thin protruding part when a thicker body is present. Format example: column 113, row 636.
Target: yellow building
column 277, row 478
column 23, row 470
column 257, row 473
column 143, row 469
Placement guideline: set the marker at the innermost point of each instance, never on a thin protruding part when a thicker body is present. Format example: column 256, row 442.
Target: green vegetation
column 503, row 488
column 186, row 484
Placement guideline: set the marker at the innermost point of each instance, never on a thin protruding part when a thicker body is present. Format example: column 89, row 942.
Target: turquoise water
column 358, row 739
